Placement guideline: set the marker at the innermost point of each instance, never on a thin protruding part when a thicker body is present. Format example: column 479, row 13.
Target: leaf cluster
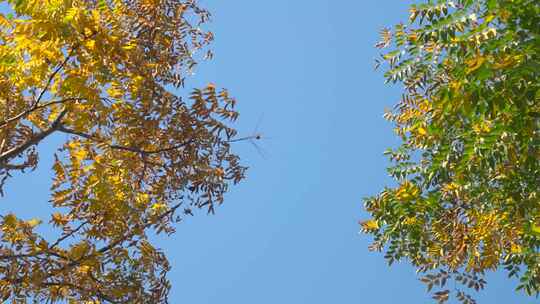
column 467, row 172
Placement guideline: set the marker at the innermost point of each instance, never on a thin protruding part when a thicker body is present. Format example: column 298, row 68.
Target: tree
column 467, row 173
column 104, row 74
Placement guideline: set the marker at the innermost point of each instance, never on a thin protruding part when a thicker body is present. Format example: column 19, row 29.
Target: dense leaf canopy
column 467, row 173
column 136, row 156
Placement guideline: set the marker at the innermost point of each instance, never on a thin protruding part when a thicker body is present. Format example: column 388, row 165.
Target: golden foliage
column 106, row 73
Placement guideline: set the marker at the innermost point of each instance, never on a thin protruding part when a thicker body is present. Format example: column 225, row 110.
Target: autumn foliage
column 467, row 174
column 107, row 74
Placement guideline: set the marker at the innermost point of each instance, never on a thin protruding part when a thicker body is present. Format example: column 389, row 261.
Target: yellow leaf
column 115, row 92
column 370, row 225
column 59, row 219
column 410, row 220
column 90, row 44
column 475, row 63
column 10, row 220
column 535, row 229
column 70, row 14
column 79, row 154
column 158, row 206
column 515, row 248
column 142, row 198
column 84, row 269
column 407, row 192
column 129, row 46
column 79, row 250
column 33, row 222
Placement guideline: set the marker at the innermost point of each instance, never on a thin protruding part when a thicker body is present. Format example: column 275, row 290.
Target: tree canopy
column 136, row 156
column 467, row 173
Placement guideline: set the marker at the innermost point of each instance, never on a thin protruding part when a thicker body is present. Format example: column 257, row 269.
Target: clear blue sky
column 289, row 233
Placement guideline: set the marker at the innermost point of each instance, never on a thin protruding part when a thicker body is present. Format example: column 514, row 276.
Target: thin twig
column 147, row 225
column 115, row 243
column 35, row 105
column 72, row 232
column 35, row 108
column 51, row 77
column 126, row 148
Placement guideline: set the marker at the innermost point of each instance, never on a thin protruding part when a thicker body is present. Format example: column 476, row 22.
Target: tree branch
column 100, row 251
column 125, row 148
column 35, row 105
column 146, row 226
column 54, row 73
column 4, row 157
column 72, row 232
column 35, row 108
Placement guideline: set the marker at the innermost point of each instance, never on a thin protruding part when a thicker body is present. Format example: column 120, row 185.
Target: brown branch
column 14, row 167
column 115, row 243
column 4, row 157
column 125, row 148
column 74, row 263
column 146, row 226
column 54, row 73
column 35, row 108
column 72, row 232
column 34, row 255
column 35, row 105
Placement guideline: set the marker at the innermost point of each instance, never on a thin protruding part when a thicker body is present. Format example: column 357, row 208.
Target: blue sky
column 289, row 232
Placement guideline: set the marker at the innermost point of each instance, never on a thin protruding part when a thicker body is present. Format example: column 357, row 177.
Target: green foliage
column 468, row 170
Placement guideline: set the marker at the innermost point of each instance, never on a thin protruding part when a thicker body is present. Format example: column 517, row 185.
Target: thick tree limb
column 13, row 152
